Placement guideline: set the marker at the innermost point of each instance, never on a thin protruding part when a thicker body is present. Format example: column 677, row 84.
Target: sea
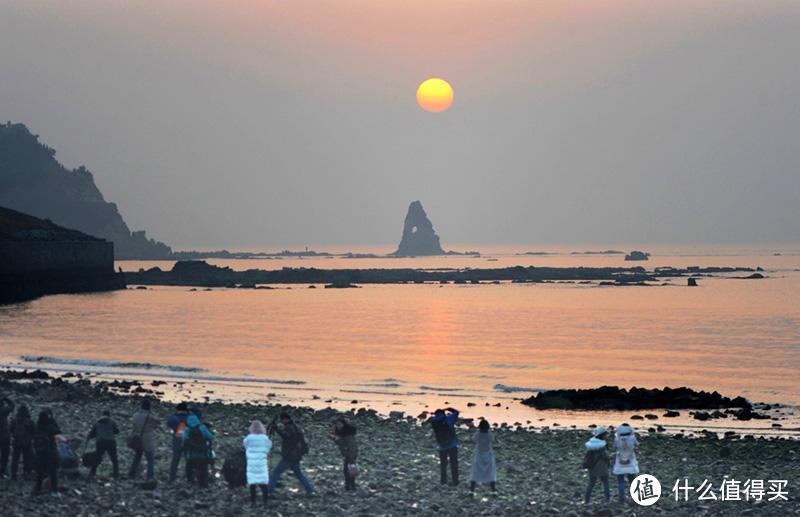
column 412, row 348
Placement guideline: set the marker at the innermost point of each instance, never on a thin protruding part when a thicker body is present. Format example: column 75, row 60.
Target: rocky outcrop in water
column 200, row 273
column 613, row 397
column 32, row 181
column 419, row 238
column 637, row 255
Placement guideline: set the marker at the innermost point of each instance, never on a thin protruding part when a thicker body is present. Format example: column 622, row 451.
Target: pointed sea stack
column 418, row 236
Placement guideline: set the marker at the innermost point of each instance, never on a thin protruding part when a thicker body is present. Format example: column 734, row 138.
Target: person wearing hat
column 177, row 422
column 625, row 464
column 596, row 462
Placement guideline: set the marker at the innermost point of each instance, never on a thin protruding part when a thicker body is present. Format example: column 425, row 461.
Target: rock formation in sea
column 419, row 238
column 637, row 255
column 38, row 257
column 34, row 182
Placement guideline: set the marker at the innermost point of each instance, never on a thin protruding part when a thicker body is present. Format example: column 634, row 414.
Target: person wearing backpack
column 196, row 447
column 22, row 430
column 104, row 432
column 144, row 427
column 47, row 458
column 443, row 422
column 344, row 435
column 625, row 463
column 293, row 448
column 177, row 423
column 596, row 462
column 257, row 446
column 6, row 408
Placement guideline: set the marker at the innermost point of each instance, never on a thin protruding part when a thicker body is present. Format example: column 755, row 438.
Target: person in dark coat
column 344, row 435
column 44, row 446
column 443, row 422
column 596, row 462
column 6, row 408
column 177, row 423
column 22, row 429
column 105, row 432
column 293, row 447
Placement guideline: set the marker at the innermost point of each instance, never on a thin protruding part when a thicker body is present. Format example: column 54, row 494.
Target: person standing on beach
column 44, row 446
column 196, row 445
column 22, row 430
column 105, row 433
column 344, row 435
column 625, row 463
column 484, row 468
column 6, row 408
column 257, row 446
column 144, row 426
column 596, row 462
column 443, row 422
column 177, row 423
column 293, row 448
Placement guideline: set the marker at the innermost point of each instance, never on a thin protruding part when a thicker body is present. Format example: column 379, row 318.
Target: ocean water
column 411, row 346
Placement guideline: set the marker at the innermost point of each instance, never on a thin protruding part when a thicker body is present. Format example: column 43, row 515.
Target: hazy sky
column 263, row 124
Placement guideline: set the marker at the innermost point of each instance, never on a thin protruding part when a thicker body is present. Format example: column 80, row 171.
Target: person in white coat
column 484, row 469
column 257, row 446
column 625, row 464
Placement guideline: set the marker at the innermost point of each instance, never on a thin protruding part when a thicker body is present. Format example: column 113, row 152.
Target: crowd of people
column 45, row 452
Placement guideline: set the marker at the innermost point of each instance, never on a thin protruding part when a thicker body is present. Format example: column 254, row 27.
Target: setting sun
column 435, row 95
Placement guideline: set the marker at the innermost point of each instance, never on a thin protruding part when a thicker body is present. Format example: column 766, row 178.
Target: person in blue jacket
column 443, row 422
column 197, row 440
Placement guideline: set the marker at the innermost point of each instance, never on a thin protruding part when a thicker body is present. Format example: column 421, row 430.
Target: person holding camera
column 443, row 423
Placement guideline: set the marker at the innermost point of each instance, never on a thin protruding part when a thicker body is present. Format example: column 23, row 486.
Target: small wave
column 130, row 374
column 109, row 364
column 514, row 366
column 379, row 385
column 434, row 388
column 517, row 389
column 393, row 393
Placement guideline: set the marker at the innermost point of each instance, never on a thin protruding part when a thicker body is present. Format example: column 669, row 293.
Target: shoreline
column 774, row 420
column 538, row 472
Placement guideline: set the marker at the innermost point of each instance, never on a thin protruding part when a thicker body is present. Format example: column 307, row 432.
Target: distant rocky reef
column 34, row 182
column 200, row 273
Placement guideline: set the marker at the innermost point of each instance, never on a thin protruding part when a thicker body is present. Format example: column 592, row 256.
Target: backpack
column 196, row 444
column 67, row 456
column 22, row 431
column 443, row 432
column 234, row 470
column 179, row 430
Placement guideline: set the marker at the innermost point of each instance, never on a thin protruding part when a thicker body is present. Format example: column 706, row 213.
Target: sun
column 435, row 95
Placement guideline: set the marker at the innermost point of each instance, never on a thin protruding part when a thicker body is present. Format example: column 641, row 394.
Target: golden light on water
column 435, row 95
